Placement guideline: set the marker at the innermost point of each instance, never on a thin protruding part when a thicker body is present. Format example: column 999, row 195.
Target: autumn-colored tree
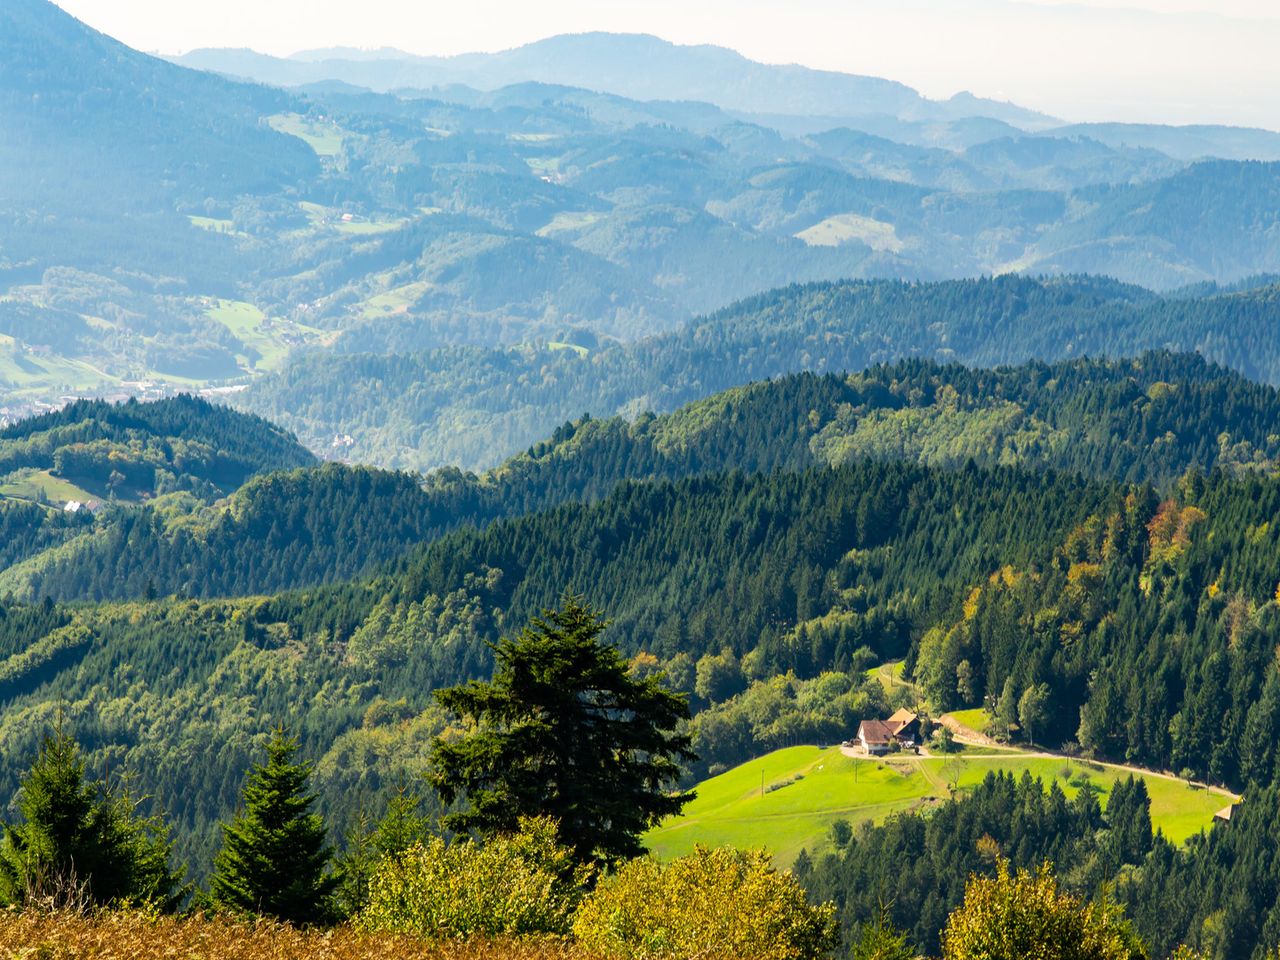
column 1025, row 916
column 721, row 904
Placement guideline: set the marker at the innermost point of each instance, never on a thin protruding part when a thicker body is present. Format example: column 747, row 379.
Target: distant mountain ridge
column 792, row 98
column 639, row 66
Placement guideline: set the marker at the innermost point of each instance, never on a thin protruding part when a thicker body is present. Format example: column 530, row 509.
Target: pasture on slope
column 787, row 800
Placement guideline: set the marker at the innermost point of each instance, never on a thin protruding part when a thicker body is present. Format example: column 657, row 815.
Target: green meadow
column 396, row 300
column 363, row 228
column 30, row 484
column 213, row 224
column 842, row 228
column 787, row 801
column 21, row 369
column 269, row 339
column 321, row 136
column 976, row 719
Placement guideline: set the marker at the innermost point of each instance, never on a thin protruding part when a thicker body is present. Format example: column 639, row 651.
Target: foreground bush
column 722, row 904
column 119, row 936
column 1026, row 917
column 521, row 884
column 80, row 842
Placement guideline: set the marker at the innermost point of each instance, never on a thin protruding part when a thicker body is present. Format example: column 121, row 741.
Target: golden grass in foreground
column 118, row 936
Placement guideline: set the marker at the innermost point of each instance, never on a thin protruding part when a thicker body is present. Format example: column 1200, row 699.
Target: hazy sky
column 1170, row 61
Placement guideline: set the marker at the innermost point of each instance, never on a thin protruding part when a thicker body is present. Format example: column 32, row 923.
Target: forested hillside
column 1148, row 617
column 1217, row 894
column 475, row 407
column 891, row 525
column 1153, row 629
column 59, row 469
column 351, row 667
column 1149, row 419
column 149, row 444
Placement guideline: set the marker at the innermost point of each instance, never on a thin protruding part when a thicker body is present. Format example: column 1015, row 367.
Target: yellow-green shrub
column 525, row 883
column 1026, row 917
column 713, row 905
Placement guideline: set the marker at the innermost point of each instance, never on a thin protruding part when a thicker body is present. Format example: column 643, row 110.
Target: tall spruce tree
column 563, row 730
column 80, row 842
column 275, row 855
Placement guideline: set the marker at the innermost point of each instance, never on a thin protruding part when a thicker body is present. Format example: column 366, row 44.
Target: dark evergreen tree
column 564, row 730
column 80, row 842
column 275, row 856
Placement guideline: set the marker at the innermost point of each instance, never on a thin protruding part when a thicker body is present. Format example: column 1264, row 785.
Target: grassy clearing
column 29, row 484
column 397, row 300
column 579, row 350
column 213, row 224
column 22, row 369
column 269, row 339
column 315, row 212
column 543, row 166
column 570, row 222
column 820, row 788
column 323, row 137
column 806, row 789
column 890, row 675
column 365, row 228
column 321, row 217
column 843, row 227
column 127, row 937
column 975, row 719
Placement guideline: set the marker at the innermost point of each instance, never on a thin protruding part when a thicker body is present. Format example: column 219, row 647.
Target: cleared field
column 976, row 719
column 364, row 228
column 843, row 227
column 569, row 222
column 394, row 301
column 29, row 484
column 322, row 137
column 270, row 339
column 543, row 166
column 21, row 369
column 786, row 801
column 890, row 675
column 213, row 224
